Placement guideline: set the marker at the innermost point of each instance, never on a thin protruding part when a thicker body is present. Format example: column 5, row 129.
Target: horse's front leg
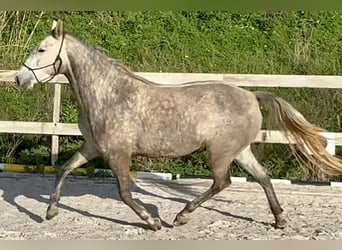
column 119, row 164
column 86, row 153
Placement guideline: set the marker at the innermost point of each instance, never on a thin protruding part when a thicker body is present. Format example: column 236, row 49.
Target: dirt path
column 91, row 209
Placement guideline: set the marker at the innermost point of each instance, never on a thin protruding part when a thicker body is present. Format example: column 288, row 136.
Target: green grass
column 295, row 42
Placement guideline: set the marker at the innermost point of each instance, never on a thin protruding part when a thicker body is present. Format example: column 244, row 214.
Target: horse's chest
column 114, row 135
column 107, row 134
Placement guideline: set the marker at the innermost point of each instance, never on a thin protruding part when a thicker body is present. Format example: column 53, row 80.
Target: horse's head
column 46, row 61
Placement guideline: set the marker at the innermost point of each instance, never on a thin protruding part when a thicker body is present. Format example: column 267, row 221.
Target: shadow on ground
column 36, row 187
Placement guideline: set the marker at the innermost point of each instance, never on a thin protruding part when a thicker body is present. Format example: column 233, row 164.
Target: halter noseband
column 56, row 70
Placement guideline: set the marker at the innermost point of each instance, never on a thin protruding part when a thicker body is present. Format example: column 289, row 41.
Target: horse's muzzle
column 17, row 80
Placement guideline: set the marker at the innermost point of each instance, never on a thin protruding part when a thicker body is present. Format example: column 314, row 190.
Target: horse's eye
column 41, row 50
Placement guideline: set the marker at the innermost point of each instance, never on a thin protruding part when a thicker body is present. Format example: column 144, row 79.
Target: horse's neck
column 89, row 75
column 95, row 79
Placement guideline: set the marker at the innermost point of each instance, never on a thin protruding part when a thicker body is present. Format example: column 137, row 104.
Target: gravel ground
column 91, row 209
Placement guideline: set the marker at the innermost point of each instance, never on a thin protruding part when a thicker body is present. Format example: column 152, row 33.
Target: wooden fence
column 56, row 129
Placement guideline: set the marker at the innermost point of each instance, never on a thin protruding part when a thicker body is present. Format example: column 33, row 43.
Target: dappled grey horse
column 124, row 115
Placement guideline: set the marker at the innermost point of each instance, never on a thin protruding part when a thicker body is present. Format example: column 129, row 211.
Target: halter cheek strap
column 56, row 69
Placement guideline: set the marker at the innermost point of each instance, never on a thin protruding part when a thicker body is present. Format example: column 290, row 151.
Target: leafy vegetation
column 295, row 42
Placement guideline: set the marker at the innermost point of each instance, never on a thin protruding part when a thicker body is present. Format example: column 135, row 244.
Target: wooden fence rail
column 56, row 129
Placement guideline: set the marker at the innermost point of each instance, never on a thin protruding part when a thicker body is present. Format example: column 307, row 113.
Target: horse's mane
column 101, row 51
column 122, row 68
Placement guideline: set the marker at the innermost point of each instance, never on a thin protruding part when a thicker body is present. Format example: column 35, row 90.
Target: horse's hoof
column 280, row 223
column 52, row 211
column 156, row 225
column 180, row 220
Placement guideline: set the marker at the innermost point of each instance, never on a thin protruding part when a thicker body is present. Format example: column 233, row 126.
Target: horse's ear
column 57, row 28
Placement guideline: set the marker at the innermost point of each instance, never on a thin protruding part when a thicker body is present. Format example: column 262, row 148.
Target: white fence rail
column 56, row 129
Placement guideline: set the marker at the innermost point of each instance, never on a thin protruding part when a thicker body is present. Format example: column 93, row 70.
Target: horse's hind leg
column 220, row 164
column 250, row 163
column 119, row 164
column 86, row 153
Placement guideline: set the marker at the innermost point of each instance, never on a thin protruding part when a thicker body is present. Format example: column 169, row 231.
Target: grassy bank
column 223, row 42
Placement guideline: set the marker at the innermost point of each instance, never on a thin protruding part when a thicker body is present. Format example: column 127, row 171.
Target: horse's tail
column 309, row 144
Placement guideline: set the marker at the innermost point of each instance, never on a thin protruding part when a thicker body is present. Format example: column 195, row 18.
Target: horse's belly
column 171, row 146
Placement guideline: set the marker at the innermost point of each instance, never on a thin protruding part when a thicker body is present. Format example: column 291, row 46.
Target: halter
column 56, row 70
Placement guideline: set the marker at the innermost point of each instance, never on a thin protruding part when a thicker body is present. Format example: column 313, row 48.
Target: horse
column 123, row 115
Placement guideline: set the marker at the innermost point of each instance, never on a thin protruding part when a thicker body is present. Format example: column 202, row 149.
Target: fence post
column 55, row 119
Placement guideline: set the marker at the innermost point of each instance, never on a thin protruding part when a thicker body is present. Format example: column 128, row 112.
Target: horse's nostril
column 17, row 80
